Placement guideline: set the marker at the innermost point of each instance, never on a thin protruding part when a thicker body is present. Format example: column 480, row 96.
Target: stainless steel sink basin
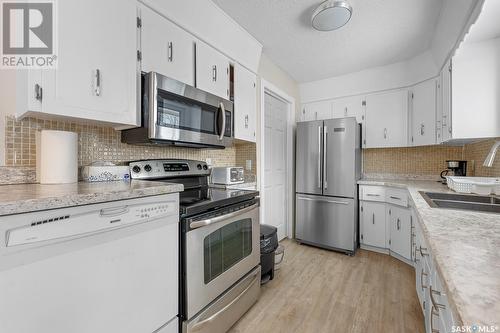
column 480, row 203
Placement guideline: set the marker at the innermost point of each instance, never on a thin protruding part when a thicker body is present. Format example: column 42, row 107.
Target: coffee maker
column 454, row 168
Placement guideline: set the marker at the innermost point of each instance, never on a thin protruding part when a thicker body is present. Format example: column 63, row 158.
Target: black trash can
column 268, row 246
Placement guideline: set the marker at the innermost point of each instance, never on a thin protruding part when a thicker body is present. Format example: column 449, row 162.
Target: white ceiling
column 380, row 32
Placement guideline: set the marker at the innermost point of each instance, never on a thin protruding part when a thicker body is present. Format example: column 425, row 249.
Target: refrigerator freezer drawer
column 326, row 221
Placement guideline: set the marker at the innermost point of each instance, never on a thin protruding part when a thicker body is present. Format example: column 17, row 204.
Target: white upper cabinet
column 349, row 107
column 166, row 48
column 212, row 70
column 444, row 105
column 245, row 104
column 96, row 77
column 317, row 111
column 475, row 90
column 386, row 120
column 423, row 113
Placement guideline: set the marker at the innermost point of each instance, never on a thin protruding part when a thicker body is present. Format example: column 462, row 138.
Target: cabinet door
column 212, row 70
column 423, row 113
column 349, row 107
column 317, row 110
column 386, row 120
column 400, row 231
column 166, row 48
column 373, row 223
column 96, row 77
column 245, row 104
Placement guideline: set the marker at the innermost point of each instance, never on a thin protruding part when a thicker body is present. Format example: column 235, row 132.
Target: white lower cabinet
column 399, row 226
column 372, row 224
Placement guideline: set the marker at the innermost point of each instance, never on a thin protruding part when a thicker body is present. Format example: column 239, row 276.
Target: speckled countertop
column 466, row 249
column 22, row 198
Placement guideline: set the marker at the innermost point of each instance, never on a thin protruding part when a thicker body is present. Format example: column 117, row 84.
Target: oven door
column 186, row 115
column 219, row 254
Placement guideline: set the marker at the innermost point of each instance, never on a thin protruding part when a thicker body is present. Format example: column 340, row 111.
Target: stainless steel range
column 220, row 251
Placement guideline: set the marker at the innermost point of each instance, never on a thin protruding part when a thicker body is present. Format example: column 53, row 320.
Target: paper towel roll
column 57, row 157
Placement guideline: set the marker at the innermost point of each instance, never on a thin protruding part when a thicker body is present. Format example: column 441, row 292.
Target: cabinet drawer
column 397, row 196
column 372, row 193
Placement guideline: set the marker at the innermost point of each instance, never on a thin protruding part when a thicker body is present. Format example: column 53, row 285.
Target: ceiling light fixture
column 331, row 15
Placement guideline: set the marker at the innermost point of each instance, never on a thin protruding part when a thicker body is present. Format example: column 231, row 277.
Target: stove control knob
column 136, row 169
column 148, row 168
column 205, row 167
column 199, row 166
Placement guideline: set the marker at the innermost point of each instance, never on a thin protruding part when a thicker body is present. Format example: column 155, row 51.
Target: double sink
column 480, row 203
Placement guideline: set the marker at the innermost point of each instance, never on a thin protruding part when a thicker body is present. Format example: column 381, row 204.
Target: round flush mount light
column 331, row 15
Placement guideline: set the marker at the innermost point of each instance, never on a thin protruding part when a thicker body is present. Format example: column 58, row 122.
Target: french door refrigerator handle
column 325, row 156
column 319, row 156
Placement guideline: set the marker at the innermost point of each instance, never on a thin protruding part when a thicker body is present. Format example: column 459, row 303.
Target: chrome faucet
column 488, row 162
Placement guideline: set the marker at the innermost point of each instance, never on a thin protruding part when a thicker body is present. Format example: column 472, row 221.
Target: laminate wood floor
column 323, row 291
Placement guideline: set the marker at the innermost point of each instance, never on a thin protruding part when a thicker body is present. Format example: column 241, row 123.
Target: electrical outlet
column 248, row 165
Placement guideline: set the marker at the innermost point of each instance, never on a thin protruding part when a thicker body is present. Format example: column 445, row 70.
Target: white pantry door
column 275, row 164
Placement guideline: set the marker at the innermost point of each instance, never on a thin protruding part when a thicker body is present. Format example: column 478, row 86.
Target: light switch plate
column 248, row 165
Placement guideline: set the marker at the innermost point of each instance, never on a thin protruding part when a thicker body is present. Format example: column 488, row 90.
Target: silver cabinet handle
column 319, row 156
column 325, row 157
column 422, row 253
column 395, row 198
column 372, row 195
column 223, row 130
column 436, row 305
column 398, row 224
column 170, row 51
column 373, row 218
column 38, row 92
column 214, row 73
column 246, row 121
column 323, row 200
column 97, row 88
column 345, row 111
column 202, row 223
column 422, row 129
column 198, row 326
column 443, row 123
column 434, row 313
column 422, row 273
column 385, row 133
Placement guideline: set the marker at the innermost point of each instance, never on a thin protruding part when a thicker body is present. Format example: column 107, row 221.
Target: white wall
column 455, row 17
column 208, row 22
column 401, row 74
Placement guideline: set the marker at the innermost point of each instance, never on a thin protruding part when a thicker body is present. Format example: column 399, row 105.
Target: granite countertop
column 466, row 249
column 23, row 198
column 245, row 185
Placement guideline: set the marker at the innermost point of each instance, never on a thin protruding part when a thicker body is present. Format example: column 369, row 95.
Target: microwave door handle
column 223, row 130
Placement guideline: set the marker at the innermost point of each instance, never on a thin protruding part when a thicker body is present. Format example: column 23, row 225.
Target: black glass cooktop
column 203, row 199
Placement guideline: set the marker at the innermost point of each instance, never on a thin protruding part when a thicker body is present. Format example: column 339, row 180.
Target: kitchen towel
column 57, row 157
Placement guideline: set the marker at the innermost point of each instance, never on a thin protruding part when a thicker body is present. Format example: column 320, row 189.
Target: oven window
column 226, row 247
column 176, row 112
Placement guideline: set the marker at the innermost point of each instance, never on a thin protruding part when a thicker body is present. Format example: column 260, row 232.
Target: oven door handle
column 203, row 223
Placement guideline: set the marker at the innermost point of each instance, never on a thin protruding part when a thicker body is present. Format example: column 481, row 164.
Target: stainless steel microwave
column 174, row 113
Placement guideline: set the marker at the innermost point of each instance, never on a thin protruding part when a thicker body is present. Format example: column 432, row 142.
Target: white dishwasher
column 110, row 267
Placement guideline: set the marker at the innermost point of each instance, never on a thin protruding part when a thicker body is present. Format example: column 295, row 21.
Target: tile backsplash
column 101, row 143
column 429, row 161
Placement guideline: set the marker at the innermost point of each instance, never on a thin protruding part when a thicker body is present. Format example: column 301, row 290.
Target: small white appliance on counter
column 107, row 267
column 227, row 175
column 57, row 157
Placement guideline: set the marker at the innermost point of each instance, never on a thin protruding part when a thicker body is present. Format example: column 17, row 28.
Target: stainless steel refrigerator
column 328, row 166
